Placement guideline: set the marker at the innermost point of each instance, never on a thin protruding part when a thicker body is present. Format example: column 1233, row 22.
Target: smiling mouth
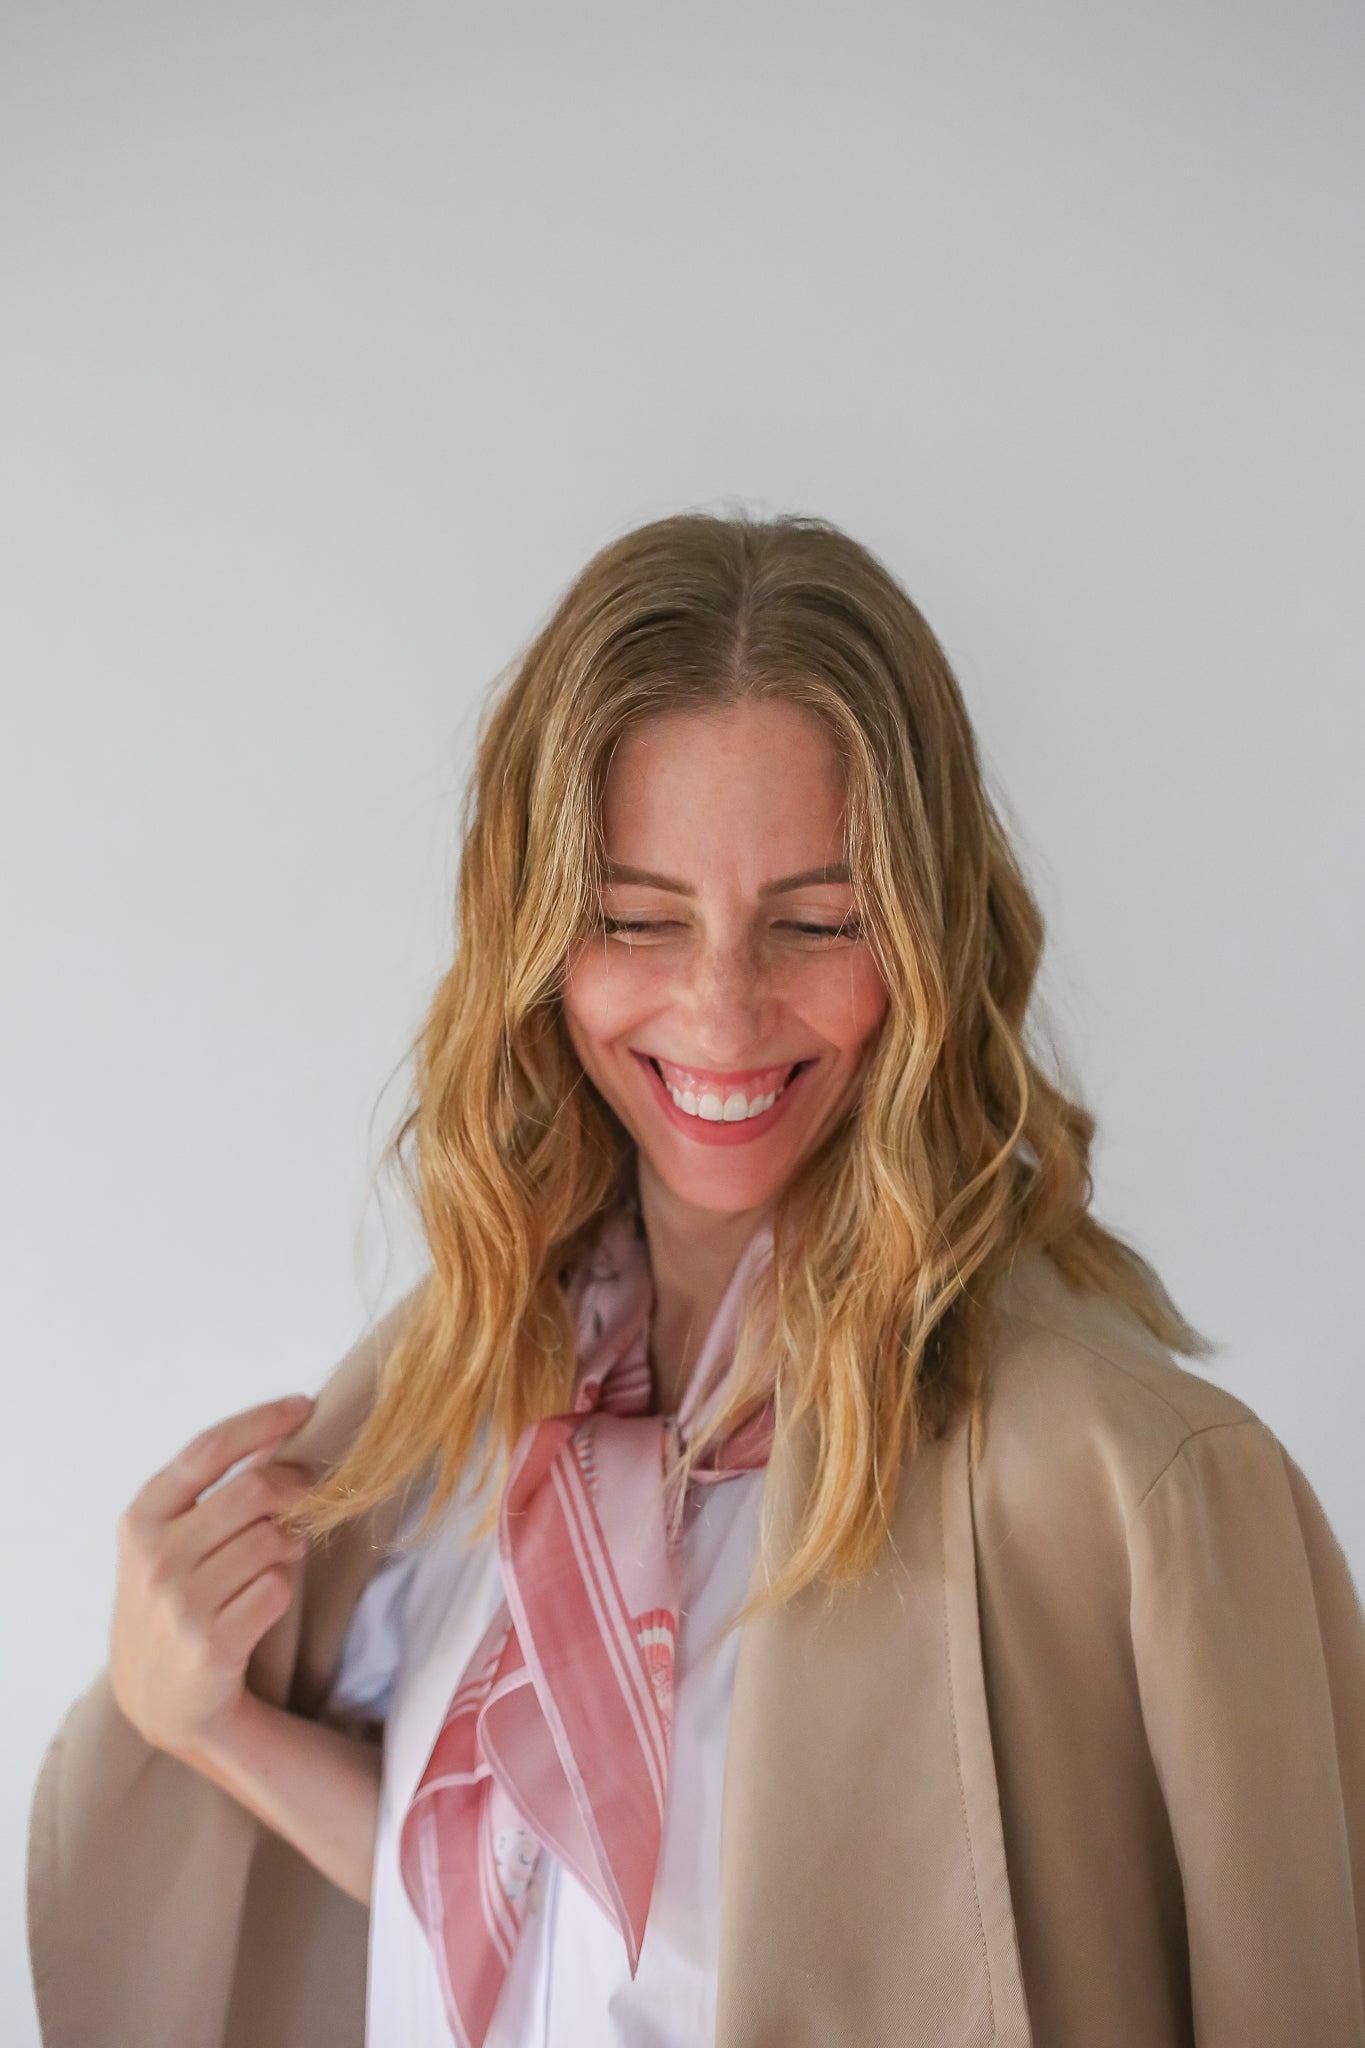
column 721, row 1104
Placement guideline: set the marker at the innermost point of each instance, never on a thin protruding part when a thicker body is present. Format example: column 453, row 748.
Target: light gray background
column 336, row 338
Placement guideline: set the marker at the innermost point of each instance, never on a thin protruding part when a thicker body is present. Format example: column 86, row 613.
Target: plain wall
column 334, row 339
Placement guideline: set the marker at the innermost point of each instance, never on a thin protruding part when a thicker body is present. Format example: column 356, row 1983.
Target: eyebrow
column 617, row 872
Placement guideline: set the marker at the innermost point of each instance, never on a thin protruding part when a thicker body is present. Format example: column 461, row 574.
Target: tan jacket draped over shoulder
column 1081, row 1764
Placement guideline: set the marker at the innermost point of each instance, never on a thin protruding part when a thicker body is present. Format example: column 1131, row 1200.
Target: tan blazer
column 1080, row 1765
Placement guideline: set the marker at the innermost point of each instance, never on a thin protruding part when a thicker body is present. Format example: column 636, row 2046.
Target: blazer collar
column 863, row 1883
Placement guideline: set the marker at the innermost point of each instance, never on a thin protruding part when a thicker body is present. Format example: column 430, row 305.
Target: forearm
column 314, row 1785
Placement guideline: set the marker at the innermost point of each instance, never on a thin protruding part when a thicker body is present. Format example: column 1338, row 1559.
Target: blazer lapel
column 864, row 1894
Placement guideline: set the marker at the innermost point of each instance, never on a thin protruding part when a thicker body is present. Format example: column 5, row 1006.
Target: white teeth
column 734, row 1108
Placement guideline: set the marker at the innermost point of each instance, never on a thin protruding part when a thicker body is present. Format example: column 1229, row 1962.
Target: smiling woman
column 775, row 1417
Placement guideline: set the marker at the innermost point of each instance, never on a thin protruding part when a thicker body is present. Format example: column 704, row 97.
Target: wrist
column 224, row 1739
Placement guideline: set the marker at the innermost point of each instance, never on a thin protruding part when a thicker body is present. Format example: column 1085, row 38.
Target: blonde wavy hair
column 870, row 1320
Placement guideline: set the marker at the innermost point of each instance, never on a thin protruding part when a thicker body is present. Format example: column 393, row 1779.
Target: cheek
column 603, row 995
column 848, row 1002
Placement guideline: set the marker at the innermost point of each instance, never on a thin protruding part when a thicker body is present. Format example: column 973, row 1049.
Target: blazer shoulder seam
column 1204, row 1429
column 1135, row 1379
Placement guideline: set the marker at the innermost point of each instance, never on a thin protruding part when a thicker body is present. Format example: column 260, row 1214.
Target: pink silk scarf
column 559, row 1732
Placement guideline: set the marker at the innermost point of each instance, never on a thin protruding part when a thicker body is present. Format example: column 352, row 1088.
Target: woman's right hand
column 200, row 1581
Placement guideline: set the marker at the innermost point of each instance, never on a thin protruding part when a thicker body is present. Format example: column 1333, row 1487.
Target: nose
column 729, row 1002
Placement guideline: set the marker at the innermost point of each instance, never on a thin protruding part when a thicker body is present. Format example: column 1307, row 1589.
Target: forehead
column 753, row 788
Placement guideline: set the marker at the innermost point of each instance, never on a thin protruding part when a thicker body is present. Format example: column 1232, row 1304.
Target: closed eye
column 849, row 929
column 614, row 926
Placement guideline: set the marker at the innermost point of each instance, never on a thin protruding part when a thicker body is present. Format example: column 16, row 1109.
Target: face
column 727, row 1005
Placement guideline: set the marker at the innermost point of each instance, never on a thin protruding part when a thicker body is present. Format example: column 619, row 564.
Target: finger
column 269, row 1454
column 206, row 1457
column 232, row 1567
column 239, row 1626
column 257, row 1493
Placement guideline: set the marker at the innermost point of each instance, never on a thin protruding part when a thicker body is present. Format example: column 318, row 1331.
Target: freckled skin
column 725, row 801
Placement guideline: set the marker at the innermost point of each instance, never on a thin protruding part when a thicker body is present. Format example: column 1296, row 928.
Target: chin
column 725, row 1186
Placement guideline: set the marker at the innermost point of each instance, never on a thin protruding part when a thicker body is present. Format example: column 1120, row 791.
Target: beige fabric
column 1081, row 1762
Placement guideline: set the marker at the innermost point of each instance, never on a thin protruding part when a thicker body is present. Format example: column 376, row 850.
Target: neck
column 693, row 1254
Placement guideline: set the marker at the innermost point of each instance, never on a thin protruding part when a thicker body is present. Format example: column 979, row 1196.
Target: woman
column 764, row 1291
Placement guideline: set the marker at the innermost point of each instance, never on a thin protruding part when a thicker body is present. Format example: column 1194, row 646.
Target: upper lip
column 736, row 1078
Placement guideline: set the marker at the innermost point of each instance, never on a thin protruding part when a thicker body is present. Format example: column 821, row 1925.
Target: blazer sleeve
column 162, row 1913
column 1250, row 1652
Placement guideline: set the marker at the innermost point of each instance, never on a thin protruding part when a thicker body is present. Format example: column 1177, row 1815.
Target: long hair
column 960, row 1152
